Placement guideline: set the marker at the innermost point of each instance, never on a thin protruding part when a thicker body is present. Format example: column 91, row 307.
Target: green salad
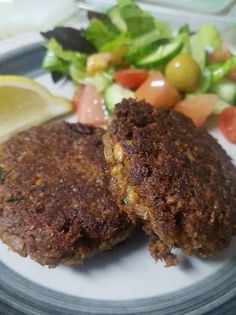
column 123, row 51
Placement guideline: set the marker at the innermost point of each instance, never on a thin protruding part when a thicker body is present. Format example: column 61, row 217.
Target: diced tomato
column 131, row 78
column 90, row 108
column 198, row 107
column 220, row 56
column 232, row 75
column 227, row 123
column 158, row 92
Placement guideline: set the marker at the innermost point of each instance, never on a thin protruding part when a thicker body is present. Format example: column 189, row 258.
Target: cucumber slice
column 226, row 91
column 114, row 94
column 197, row 51
column 220, row 106
column 162, row 54
column 206, row 81
column 144, row 45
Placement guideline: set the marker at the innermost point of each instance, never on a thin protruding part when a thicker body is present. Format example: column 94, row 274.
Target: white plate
column 125, row 280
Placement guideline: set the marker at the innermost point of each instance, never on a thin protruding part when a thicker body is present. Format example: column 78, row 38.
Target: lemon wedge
column 25, row 103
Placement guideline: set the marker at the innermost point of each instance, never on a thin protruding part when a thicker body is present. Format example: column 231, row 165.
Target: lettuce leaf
column 129, row 18
column 101, row 32
column 77, row 71
column 66, row 55
column 62, row 61
column 120, row 41
column 139, row 30
column 53, row 63
column 206, row 38
column 138, row 22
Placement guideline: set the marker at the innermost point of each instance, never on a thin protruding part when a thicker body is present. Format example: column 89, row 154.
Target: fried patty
column 174, row 176
column 55, row 204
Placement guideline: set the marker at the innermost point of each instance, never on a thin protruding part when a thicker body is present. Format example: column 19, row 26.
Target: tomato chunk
column 232, row 75
column 220, row 56
column 90, row 107
column 157, row 91
column 227, row 123
column 131, row 78
column 198, row 107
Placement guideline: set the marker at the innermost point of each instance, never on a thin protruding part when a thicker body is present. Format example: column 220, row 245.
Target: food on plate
column 227, row 124
column 158, row 91
column 198, row 107
column 184, row 73
column 55, row 203
column 90, row 106
column 62, row 201
column 174, row 176
column 126, row 52
column 130, row 78
column 25, row 103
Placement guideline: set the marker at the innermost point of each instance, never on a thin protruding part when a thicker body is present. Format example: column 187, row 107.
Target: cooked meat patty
column 174, row 176
column 55, row 204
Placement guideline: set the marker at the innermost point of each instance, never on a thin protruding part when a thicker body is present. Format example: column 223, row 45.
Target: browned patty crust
column 55, row 205
column 174, row 176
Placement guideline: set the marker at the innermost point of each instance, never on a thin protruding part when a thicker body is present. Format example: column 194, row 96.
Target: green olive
column 184, row 73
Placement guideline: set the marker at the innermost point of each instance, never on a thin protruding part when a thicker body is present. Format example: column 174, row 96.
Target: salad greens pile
column 142, row 41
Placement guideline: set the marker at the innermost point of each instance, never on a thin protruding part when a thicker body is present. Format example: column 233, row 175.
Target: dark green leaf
column 71, row 39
